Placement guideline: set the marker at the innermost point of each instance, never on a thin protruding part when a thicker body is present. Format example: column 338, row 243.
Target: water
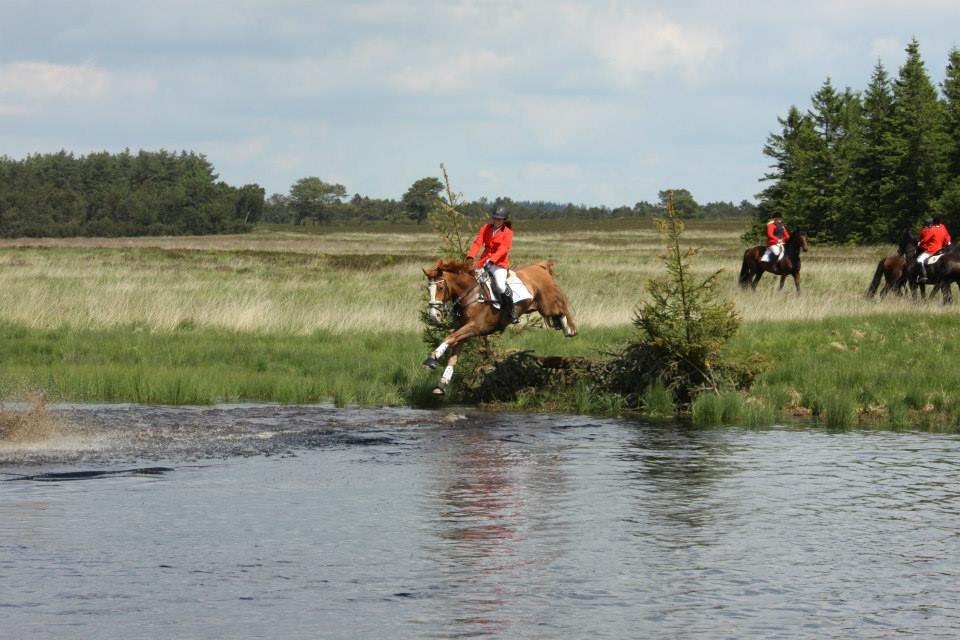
column 314, row 522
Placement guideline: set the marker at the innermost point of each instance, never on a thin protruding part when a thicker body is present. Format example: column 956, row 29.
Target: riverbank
column 863, row 371
column 277, row 316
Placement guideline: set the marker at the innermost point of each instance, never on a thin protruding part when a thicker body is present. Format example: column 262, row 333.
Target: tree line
column 859, row 167
column 314, row 201
column 104, row 194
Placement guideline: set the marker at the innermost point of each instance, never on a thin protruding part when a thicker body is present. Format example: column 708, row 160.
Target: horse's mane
column 792, row 246
column 455, row 266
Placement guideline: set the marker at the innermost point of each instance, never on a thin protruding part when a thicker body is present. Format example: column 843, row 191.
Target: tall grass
column 343, row 281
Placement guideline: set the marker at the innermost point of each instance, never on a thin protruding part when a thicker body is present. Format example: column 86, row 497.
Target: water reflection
column 674, row 474
column 495, row 500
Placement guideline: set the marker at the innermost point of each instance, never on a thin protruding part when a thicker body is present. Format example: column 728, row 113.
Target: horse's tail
column 547, row 265
column 875, row 283
column 745, row 273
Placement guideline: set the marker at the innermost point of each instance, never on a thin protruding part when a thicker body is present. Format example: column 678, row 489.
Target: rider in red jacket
column 777, row 234
column 494, row 240
column 934, row 238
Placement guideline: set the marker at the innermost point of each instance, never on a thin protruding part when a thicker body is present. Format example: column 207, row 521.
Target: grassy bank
column 864, row 371
column 334, row 316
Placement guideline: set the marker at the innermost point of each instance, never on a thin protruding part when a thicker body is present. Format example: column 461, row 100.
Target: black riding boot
column 507, row 307
column 922, row 279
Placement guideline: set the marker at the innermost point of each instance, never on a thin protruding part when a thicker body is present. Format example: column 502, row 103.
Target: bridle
column 436, row 285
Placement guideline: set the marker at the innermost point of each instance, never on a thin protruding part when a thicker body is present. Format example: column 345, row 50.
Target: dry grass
column 349, row 280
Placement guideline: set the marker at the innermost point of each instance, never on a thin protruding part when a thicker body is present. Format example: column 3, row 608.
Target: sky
column 596, row 103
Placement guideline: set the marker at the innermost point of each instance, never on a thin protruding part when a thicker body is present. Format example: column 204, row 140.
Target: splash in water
column 30, row 426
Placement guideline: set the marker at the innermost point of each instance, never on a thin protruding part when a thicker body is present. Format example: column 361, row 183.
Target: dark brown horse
column 892, row 269
column 455, row 283
column 941, row 273
column 788, row 264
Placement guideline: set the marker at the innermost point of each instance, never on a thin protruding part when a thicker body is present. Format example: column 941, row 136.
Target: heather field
column 333, row 314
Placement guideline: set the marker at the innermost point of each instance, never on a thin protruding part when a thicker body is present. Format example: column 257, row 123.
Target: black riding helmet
column 500, row 213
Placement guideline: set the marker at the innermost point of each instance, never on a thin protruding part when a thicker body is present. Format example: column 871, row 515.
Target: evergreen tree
column 875, row 171
column 949, row 202
column 917, row 142
column 792, row 176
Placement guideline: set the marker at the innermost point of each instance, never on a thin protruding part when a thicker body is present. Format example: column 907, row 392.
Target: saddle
column 514, row 284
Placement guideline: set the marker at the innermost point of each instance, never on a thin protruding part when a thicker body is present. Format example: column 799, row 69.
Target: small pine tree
column 682, row 330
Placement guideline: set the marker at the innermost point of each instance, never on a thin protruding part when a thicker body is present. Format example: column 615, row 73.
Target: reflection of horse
column 454, row 282
column 892, row 269
column 787, row 265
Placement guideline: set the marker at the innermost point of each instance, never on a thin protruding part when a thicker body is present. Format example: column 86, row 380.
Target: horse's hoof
column 430, row 362
column 438, row 391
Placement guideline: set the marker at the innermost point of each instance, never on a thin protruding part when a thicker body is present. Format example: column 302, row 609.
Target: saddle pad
column 931, row 260
column 519, row 290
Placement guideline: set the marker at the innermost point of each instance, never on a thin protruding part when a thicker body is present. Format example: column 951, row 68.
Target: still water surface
column 316, row 522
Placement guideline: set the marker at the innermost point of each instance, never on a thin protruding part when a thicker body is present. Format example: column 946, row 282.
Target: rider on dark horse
column 495, row 239
column 777, row 235
column 934, row 238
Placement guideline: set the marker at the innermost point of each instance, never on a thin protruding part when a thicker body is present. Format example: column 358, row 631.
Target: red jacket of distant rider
column 495, row 244
column 776, row 233
column 933, row 238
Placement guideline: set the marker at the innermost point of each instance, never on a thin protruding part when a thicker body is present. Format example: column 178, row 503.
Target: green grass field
column 332, row 314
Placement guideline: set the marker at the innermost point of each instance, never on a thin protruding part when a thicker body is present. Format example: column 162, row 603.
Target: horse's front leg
column 447, row 375
column 452, row 340
column 796, row 282
column 782, row 280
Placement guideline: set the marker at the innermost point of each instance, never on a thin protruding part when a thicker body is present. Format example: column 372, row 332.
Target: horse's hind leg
column 756, row 279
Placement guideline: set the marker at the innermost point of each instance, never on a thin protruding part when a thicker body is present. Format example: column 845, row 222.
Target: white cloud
column 448, row 71
column 551, row 171
column 632, row 45
column 45, row 80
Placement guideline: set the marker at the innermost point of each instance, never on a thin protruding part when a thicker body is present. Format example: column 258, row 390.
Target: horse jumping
column 788, row 265
column 454, row 282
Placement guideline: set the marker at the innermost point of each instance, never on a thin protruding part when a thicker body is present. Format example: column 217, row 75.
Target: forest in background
column 861, row 167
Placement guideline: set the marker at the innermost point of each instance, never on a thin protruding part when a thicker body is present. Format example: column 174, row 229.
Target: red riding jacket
column 776, row 233
column 495, row 243
column 933, row 238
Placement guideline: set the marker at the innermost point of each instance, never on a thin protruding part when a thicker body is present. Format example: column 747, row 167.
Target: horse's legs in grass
column 796, row 281
column 568, row 328
column 756, row 279
column 782, row 279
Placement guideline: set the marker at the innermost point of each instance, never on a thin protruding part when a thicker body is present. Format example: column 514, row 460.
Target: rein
column 461, row 300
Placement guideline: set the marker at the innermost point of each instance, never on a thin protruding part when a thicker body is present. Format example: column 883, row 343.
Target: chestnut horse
column 787, row 265
column 454, row 282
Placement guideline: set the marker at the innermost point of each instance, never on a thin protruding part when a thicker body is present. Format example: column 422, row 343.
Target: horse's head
column 437, row 286
column 446, row 281
column 907, row 245
column 801, row 236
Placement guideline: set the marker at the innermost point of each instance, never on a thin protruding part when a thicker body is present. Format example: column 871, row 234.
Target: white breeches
column 772, row 253
column 922, row 258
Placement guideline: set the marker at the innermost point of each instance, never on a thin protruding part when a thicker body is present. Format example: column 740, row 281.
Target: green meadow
column 332, row 314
